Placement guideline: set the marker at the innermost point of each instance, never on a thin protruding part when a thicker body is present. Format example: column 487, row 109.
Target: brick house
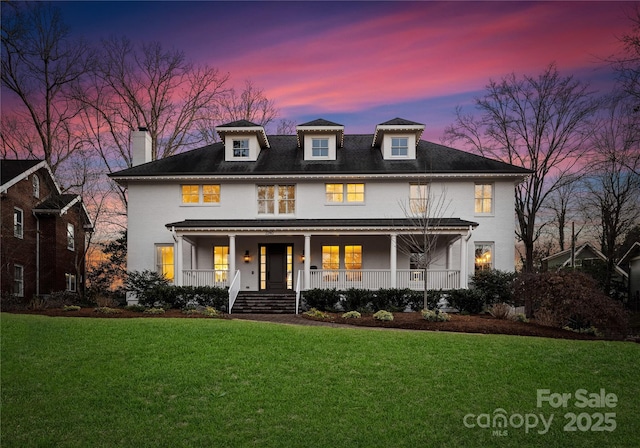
column 43, row 232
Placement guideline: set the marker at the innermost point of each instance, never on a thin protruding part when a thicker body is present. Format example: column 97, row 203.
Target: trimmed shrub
column 383, row 315
column 571, row 298
column 179, row 297
column 466, row 300
column 137, row 308
column 495, row 286
column 416, row 299
column 356, row 299
column 322, row 299
column 501, row 310
column 71, row 308
column 435, row 315
column 107, row 310
column 393, row 299
column 142, row 282
column 352, row 315
column 313, row 312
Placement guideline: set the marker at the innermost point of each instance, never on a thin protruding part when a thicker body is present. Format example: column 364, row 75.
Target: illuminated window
column 353, row 262
column 190, row 194
column 164, row 261
column 418, row 195
column 71, row 237
column 221, row 263
column 400, row 146
column 211, row 194
column 484, row 198
column 18, row 280
column 18, row 223
column 263, row 267
column 484, row 256
column 330, row 262
column 282, row 195
column 320, row 147
column 336, row 193
column 241, row 148
column 197, row 194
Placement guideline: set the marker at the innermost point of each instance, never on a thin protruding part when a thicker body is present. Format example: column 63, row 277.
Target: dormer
column 320, row 139
column 243, row 140
column 398, row 138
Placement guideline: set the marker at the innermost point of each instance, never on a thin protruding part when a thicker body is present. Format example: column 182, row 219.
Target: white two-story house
column 319, row 209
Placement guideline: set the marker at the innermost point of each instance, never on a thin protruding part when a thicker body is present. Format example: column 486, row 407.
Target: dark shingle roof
column 56, row 203
column 400, row 122
column 10, row 169
column 239, row 124
column 356, row 157
column 320, row 122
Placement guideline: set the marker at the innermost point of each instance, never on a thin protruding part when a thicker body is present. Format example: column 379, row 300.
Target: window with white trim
column 18, row 223
column 483, row 199
column 36, row 185
column 418, row 196
column 399, row 147
column 200, row 194
column 18, row 280
column 165, row 261
column 353, row 262
column 484, row 256
column 241, row 148
column 276, row 199
column 320, row 147
column 71, row 282
column 71, row 236
column 340, row 193
column 221, row 263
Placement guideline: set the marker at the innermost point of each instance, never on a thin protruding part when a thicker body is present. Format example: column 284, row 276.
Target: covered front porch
column 296, row 255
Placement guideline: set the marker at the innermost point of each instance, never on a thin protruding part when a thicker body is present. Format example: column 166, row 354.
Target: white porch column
column 232, row 257
column 464, row 261
column 393, row 260
column 178, row 261
column 194, row 257
column 307, row 261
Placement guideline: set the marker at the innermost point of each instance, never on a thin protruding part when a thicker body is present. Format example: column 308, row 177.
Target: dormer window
column 320, row 147
column 399, row 147
column 241, row 148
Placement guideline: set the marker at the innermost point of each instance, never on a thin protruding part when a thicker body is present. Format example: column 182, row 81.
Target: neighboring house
column 585, row 256
column 318, row 209
column 630, row 263
column 43, row 232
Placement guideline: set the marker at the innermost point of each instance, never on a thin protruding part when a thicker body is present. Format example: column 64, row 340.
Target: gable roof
column 356, row 157
column 586, row 247
column 320, row 126
column 321, row 122
column 244, row 127
column 633, row 252
column 13, row 171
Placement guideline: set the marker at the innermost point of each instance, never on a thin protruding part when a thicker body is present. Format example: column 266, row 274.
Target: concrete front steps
column 264, row 303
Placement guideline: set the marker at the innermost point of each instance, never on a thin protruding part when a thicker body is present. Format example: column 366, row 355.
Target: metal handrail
column 234, row 289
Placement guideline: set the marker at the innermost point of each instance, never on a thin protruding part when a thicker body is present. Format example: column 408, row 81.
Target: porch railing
column 205, row 277
column 381, row 278
column 234, row 289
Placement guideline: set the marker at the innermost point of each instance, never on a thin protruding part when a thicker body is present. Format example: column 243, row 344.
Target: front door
column 276, row 266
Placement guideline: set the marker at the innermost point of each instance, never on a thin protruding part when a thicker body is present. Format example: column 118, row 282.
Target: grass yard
column 74, row 382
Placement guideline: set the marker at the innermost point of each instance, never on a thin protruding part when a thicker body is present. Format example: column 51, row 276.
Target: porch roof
column 300, row 225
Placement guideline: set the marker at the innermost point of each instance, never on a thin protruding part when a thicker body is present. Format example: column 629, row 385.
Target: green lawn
column 74, row 382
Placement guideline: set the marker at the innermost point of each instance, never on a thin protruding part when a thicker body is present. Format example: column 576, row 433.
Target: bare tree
column 613, row 182
column 564, row 207
column 40, row 62
column 539, row 123
column 627, row 62
column 425, row 212
column 286, row 127
column 250, row 104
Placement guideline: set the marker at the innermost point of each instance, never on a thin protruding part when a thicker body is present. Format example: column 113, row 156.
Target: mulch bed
column 484, row 324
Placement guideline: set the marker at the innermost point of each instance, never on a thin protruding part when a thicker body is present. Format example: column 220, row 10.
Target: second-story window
column 71, row 237
column 241, row 148
column 320, row 147
column 337, row 193
column 201, row 194
column 276, row 199
column 483, row 199
column 399, row 146
column 418, row 196
column 18, row 223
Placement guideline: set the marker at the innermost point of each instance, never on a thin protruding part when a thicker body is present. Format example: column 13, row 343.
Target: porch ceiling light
column 247, row 257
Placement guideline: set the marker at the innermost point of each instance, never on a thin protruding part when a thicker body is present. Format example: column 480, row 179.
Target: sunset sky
column 362, row 63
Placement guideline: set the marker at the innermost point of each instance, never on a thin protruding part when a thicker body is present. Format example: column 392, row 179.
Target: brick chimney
column 141, row 146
